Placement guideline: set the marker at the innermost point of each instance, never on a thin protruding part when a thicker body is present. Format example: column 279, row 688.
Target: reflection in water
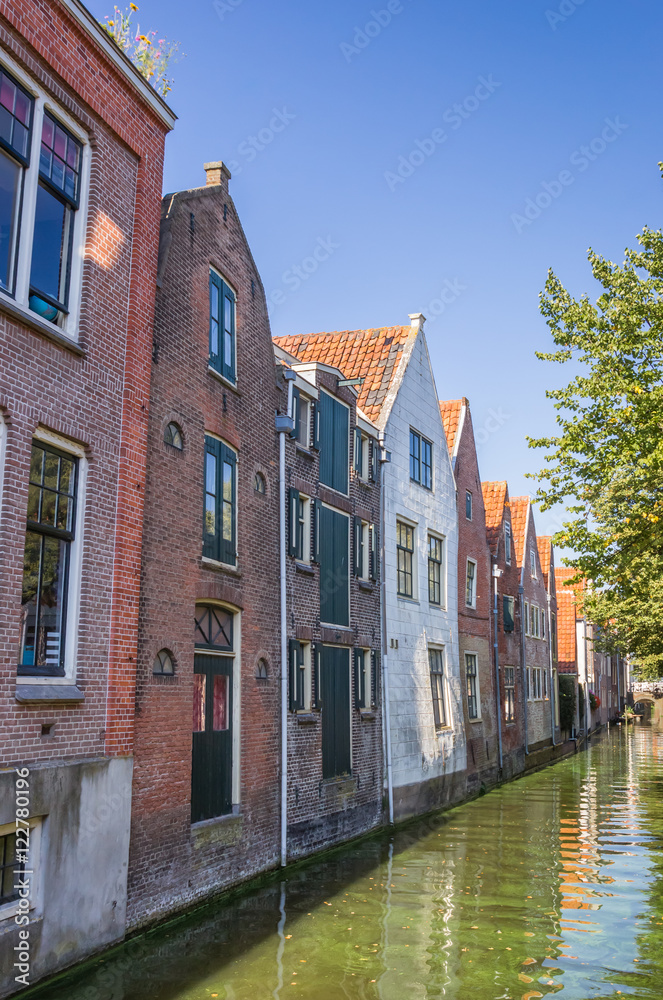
column 552, row 885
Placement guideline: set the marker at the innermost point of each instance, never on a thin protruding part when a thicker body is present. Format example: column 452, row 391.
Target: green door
column 336, row 728
column 334, row 543
column 211, row 767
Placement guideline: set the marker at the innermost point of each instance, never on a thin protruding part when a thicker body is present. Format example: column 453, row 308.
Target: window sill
column 367, row 585
column 303, row 567
column 223, row 380
column 367, row 714
column 224, row 831
column 407, row 600
column 44, row 692
column 303, row 450
column 307, row 718
column 40, row 326
column 220, row 567
column 474, row 721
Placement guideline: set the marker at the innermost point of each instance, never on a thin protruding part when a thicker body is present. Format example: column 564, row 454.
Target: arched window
column 163, row 663
column 261, row 670
column 259, row 483
column 173, row 436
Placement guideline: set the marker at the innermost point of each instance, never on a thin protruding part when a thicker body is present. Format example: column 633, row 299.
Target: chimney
column 217, row 174
column 417, row 321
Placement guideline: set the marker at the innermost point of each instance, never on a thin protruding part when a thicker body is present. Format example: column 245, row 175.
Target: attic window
column 173, row 437
column 532, row 563
column 507, row 543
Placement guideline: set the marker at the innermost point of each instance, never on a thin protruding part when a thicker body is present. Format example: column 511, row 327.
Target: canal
column 551, row 885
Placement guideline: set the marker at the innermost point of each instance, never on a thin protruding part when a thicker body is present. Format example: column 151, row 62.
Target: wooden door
column 211, row 768
column 336, row 718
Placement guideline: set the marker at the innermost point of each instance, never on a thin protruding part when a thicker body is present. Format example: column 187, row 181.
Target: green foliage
column 150, row 56
column 606, row 462
column 594, row 701
column 567, row 701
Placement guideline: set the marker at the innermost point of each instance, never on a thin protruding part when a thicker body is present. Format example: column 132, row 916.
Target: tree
column 606, row 462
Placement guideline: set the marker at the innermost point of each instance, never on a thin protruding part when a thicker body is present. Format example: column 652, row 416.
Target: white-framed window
column 44, row 166
column 471, row 584
column 17, row 848
column 509, row 694
column 437, row 681
column 534, row 621
column 535, row 682
column 542, row 618
column 507, row 542
column 437, row 570
column 301, row 676
column 532, row 563
column 472, row 683
column 300, row 526
column 302, row 415
column 362, row 455
column 365, row 679
column 405, row 557
column 527, row 619
column 52, row 556
column 362, row 541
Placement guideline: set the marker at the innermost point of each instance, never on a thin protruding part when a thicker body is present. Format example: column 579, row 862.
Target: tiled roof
column 544, row 546
column 494, row 497
column 450, row 412
column 566, row 621
column 519, row 507
column 373, row 355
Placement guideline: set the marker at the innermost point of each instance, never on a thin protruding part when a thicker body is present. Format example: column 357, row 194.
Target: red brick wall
column 474, row 623
column 324, row 812
column 168, row 865
column 99, row 401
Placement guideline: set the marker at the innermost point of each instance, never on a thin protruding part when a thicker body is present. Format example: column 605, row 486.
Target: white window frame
column 365, row 568
column 28, row 201
column 470, row 652
column 446, row 725
column 306, row 547
column 532, row 564
column 308, row 675
column 526, row 618
column 442, row 606
column 473, row 602
column 415, row 558
column 9, row 910
column 75, row 562
column 304, row 437
column 508, row 542
column 368, row 677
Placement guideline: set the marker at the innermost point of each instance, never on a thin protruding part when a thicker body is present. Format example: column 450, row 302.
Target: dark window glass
column 404, row 552
column 16, row 108
column 426, row 464
column 163, row 663
column 60, row 159
column 509, row 694
column 436, row 663
column 173, row 437
column 470, row 584
column 50, row 532
column 415, row 456
column 10, row 189
column 220, row 503
column 222, row 308
column 471, row 675
column 259, row 483
column 508, row 613
column 11, row 869
column 334, row 430
column 468, row 505
column 213, row 628
column 507, row 542
column 434, row 570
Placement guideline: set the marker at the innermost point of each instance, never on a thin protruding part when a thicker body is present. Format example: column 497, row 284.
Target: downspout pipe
column 284, row 425
column 553, row 695
column 497, row 572
column 523, row 668
column 386, row 711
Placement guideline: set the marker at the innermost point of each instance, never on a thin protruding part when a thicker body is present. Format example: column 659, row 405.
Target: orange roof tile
column 519, row 507
column 544, row 546
column 495, row 495
column 566, row 621
column 373, row 355
column 450, row 412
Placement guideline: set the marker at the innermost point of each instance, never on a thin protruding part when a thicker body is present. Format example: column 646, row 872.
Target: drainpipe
column 284, row 424
column 523, row 667
column 496, row 574
column 386, row 711
column 550, row 674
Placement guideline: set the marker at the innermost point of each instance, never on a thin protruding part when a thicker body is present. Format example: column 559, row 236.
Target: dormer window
column 222, row 303
column 507, row 542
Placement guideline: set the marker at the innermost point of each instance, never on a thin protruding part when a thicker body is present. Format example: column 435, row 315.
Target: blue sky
column 495, row 100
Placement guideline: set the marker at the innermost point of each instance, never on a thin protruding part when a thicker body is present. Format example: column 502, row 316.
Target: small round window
column 260, row 484
column 173, row 436
column 163, row 663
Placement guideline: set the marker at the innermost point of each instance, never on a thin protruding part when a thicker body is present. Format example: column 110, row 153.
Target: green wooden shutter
column 293, row 517
column 373, row 459
column 295, row 412
column 215, row 321
column 334, row 539
column 316, row 425
column 326, row 438
column 357, row 677
column 375, row 678
column 358, row 452
column 507, row 614
column 341, row 464
column 293, row 657
column 316, row 653
column 375, row 552
column 228, row 320
column 357, row 531
column 317, row 514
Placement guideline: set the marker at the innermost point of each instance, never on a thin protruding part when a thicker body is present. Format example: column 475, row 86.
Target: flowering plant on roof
column 150, row 56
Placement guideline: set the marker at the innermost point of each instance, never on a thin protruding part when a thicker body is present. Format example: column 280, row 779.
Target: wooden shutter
column 317, row 514
column 341, row 465
column 316, row 653
column 294, row 649
column 357, row 567
column 358, row 452
column 211, row 542
column 215, row 357
column 357, row 680
column 375, row 678
column 334, row 541
column 375, row 552
column 293, row 517
column 228, row 318
column 294, row 433
column 316, row 425
column 326, row 438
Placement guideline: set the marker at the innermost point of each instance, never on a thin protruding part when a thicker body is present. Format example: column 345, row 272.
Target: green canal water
column 551, row 885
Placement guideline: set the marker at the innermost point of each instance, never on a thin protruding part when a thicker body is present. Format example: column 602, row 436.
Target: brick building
column 206, row 778
column 507, row 626
column 81, row 153
column 334, row 723
column 475, row 601
column 425, row 738
column 547, row 563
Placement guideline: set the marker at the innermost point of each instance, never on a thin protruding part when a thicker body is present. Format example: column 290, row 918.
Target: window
column 527, row 619
column 219, row 529
column 163, row 663
column 532, row 563
column 436, row 574
column 405, row 556
column 421, row 460
column 542, row 623
column 470, row 584
column 301, row 411
column 334, row 431
column 534, row 621
column 468, row 505
column 436, row 664
column 16, row 114
column 259, row 483
column 553, row 635
column 507, row 542
column 301, row 687
column 222, row 305
column 509, row 694
column 173, row 436
column 508, row 613
column 10, row 869
column 364, row 456
column 300, row 526
column 332, row 544
column 473, row 707
column 363, row 554
column 535, row 683
column 365, row 678
column 50, row 531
